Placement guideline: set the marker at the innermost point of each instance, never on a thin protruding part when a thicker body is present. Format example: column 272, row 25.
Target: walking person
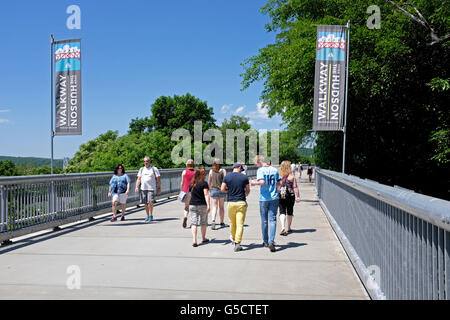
column 185, row 196
column 289, row 195
column 268, row 179
column 215, row 179
column 310, row 172
column 237, row 186
column 300, row 170
column 149, row 179
column 119, row 189
column 199, row 205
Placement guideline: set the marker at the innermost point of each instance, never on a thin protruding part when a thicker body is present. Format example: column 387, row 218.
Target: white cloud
column 226, row 107
column 239, row 110
column 260, row 113
column 4, row 121
column 4, row 111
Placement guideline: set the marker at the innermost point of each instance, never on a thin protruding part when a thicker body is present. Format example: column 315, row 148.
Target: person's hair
column 116, row 169
column 199, row 176
column 258, row 159
column 216, row 166
column 190, row 164
column 285, row 169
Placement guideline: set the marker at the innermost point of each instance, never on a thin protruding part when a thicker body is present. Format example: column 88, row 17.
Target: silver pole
column 346, row 97
column 52, row 40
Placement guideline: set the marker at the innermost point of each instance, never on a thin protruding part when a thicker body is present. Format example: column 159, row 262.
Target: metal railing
column 397, row 240
column 34, row 203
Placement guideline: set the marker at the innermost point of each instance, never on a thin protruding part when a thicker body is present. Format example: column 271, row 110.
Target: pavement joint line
column 185, row 290
column 177, row 257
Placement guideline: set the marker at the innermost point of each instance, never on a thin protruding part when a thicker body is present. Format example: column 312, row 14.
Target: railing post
column 52, row 199
column 86, row 200
column 3, row 210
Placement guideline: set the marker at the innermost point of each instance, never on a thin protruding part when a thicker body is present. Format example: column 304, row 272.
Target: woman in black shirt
column 199, row 206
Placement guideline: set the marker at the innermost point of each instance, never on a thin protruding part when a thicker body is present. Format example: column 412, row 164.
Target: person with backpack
column 289, row 194
column 119, row 189
column 149, row 179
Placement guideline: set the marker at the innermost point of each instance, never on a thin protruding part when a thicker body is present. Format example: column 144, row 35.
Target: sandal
column 205, row 241
column 195, row 245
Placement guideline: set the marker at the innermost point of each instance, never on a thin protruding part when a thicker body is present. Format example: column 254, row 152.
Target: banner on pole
column 68, row 120
column 330, row 78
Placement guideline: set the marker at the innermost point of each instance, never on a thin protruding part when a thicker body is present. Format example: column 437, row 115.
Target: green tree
column 235, row 123
column 393, row 113
column 8, row 169
column 171, row 113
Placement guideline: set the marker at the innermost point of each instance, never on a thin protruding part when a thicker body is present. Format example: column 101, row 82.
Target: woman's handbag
column 182, row 196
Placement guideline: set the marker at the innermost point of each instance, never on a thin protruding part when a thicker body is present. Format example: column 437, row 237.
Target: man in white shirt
column 149, row 179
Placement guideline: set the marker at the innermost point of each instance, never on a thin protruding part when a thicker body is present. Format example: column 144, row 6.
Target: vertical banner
column 330, row 79
column 68, row 87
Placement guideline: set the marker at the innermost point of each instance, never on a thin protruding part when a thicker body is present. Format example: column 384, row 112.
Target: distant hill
column 38, row 162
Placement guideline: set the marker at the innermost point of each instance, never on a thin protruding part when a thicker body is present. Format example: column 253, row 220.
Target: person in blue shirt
column 268, row 179
column 119, row 189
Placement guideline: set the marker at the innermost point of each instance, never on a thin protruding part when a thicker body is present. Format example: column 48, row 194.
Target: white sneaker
column 232, row 240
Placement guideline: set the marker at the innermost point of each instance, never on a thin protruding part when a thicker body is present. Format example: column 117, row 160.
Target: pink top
column 187, row 179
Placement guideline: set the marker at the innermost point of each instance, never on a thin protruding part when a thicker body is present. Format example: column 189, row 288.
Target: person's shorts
column 217, row 194
column 121, row 198
column 148, row 196
column 286, row 206
column 198, row 215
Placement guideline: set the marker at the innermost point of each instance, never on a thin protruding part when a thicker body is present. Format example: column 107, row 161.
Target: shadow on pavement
column 290, row 245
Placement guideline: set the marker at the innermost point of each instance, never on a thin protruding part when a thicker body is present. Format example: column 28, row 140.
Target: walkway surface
column 134, row 260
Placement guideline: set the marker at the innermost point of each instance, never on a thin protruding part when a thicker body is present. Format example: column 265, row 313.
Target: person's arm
column 209, row 177
column 109, row 191
column 128, row 185
column 208, row 200
column 182, row 179
column 138, row 182
column 260, row 181
column 158, row 180
column 224, row 173
column 224, row 188
column 296, row 190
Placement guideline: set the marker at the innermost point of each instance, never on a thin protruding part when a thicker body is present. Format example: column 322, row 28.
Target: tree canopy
column 397, row 124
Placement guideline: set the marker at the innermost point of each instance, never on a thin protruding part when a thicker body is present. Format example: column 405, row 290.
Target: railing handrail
column 71, row 176
column 432, row 210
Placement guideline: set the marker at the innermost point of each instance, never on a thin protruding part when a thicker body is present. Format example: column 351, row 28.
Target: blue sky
column 133, row 52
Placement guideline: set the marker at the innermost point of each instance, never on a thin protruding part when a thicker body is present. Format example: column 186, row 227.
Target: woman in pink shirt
column 186, row 178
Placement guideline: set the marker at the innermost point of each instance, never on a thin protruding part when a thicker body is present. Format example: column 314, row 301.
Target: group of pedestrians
column 278, row 192
column 148, row 185
column 201, row 195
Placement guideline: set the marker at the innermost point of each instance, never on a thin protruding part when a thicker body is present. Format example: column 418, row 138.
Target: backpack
column 284, row 190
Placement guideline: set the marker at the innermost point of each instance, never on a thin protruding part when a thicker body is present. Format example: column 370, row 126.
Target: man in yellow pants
column 236, row 184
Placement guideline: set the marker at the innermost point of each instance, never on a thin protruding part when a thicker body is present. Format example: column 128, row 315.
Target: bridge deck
column 134, row 260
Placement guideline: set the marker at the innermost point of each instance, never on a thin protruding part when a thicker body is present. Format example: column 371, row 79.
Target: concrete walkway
column 134, row 260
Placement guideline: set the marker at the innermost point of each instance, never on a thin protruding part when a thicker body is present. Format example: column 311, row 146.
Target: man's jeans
column 268, row 211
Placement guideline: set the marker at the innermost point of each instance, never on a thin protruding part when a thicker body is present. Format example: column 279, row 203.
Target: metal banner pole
column 52, row 40
column 346, row 97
